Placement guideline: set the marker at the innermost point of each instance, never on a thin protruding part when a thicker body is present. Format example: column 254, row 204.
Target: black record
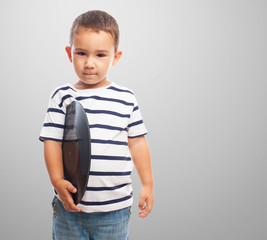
column 76, row 149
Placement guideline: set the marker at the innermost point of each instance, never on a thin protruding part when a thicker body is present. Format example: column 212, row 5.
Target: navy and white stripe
column 114, row 116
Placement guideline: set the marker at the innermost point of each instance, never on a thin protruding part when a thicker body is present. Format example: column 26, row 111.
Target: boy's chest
column 107, row 118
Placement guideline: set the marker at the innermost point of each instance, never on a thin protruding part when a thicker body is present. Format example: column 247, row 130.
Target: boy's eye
column 101, row 55
column 81, row 53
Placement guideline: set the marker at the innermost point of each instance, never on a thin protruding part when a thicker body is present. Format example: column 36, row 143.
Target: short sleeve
column 136, row 127
column 53, row 126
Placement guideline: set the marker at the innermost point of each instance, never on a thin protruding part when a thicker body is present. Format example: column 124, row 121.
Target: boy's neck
column 80, row 85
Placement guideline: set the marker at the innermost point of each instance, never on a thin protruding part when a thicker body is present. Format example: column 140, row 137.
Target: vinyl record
column 76, row 149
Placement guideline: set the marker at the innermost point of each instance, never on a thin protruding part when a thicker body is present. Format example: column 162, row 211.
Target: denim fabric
column 93, row 226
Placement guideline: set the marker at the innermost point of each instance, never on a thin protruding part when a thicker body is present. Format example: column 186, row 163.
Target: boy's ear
column 116, row 57
column 68, row 50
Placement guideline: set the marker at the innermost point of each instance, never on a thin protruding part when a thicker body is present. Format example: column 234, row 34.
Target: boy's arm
column 54, row 163
column 141, row 157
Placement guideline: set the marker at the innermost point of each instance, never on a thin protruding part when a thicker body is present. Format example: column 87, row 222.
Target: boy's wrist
column 148, row 184
column 56, row 182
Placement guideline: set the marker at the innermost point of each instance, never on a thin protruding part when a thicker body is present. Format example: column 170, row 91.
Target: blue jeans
column 93, row 226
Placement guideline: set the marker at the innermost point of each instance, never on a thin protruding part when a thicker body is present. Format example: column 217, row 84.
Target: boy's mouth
column 89, row 74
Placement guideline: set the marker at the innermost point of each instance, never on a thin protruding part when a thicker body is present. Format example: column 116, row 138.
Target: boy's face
column 92, row 55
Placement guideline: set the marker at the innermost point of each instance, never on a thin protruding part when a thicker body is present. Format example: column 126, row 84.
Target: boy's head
column 96, row 20
column 93, row 49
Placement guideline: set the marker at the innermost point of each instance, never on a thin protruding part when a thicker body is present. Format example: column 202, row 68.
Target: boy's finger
column 74, row 208
column 71, row 188
column 71, row 207
column 141, row 203
column 146, row 209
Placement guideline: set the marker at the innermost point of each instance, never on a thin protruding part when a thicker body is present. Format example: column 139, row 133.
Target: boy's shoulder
column 64, row 87
column 120, row 88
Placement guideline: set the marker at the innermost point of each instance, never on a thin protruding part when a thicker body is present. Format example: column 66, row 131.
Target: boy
column 117, row 136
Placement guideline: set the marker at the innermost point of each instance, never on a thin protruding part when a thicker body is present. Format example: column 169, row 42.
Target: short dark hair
column 97, row 21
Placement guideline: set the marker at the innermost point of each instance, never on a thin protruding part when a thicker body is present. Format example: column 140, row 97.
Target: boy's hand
column 146, row 201
column 64, row 189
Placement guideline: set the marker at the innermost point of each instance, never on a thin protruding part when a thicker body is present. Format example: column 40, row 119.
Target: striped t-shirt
column 113, row 116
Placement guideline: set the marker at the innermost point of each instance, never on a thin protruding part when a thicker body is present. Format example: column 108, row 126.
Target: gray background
column 199, row 72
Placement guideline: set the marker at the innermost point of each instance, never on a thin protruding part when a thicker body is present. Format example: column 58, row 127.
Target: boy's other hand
column 146, row 201
column 64, row 189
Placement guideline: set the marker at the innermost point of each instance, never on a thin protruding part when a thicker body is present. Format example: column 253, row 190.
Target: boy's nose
column 89, row 63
